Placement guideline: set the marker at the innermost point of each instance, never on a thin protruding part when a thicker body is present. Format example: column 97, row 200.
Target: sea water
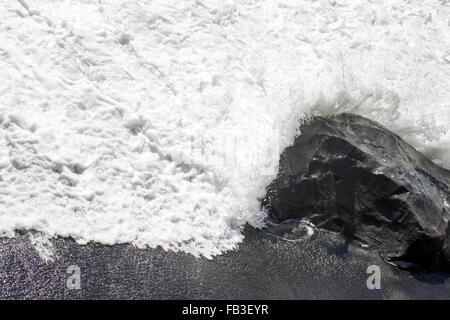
column 160, row 123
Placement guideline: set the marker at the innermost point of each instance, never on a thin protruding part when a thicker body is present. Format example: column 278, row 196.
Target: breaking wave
column 160, row 123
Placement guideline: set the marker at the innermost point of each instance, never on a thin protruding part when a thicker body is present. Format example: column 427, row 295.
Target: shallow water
column 270, row 264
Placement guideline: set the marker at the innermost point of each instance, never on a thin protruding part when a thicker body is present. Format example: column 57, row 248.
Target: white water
column 100, row 102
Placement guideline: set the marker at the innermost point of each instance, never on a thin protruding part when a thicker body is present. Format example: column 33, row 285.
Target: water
column 160, row 123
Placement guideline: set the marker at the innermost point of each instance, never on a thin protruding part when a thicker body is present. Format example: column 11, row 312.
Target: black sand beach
column 268, row 265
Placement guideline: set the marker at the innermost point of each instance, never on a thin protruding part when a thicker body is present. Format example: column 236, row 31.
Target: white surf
column 160, row 123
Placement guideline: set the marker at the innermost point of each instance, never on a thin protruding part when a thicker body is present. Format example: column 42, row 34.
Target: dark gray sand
column 266, row 266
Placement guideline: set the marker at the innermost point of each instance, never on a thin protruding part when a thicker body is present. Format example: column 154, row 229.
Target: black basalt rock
column 348, row 174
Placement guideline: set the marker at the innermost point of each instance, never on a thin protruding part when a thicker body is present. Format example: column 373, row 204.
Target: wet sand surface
column 267, row 265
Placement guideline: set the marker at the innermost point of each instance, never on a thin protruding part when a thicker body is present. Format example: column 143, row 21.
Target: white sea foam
column 152, row 122
column 43, row 246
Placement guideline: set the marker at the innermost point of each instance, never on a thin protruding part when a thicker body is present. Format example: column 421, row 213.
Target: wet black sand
column 325, row 266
